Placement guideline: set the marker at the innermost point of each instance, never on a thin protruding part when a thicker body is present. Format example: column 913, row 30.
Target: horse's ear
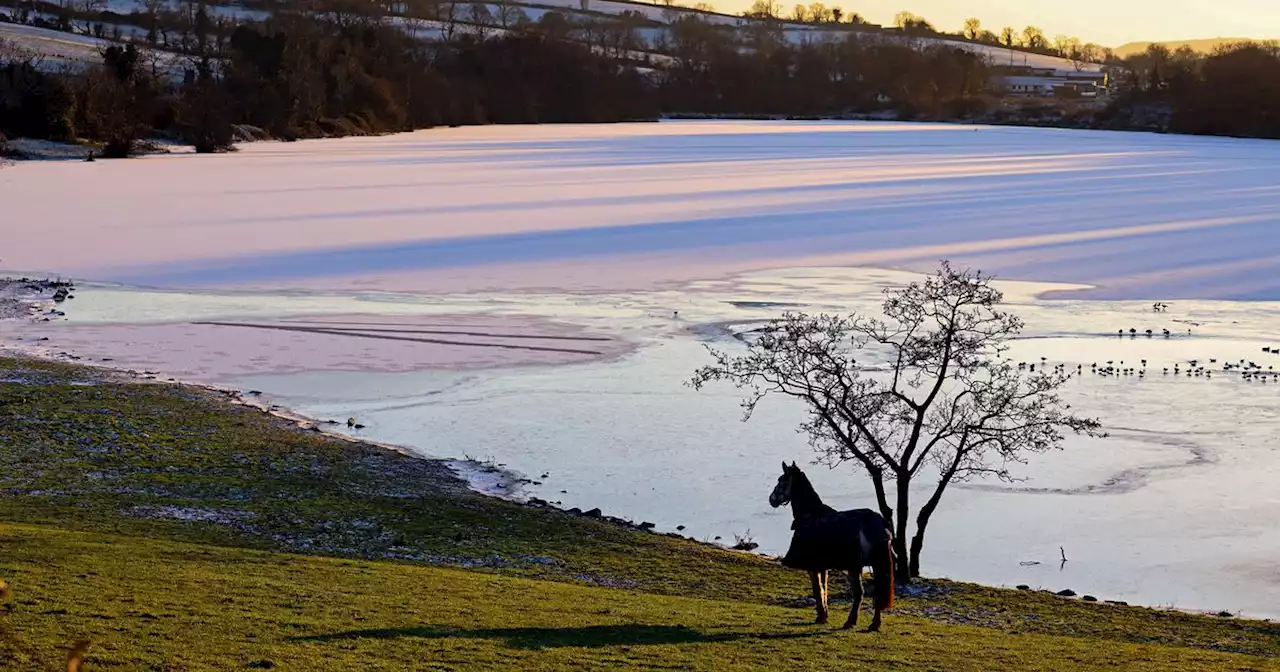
column 793, row 465
column 784, row 466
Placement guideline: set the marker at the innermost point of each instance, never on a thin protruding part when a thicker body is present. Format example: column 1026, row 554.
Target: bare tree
column 1033, row 38
column 911, row 23
column 1066, row 46
column 972, row 28
column 506, row 13
column 764, row 9
column 447, row 15
column 924, row 391
column 13, row 53
column 153, row 59
column 1085, row 55
column 481, row 19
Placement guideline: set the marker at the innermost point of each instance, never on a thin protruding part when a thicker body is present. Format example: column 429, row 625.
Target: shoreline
column 479, row 476
column 491, row 480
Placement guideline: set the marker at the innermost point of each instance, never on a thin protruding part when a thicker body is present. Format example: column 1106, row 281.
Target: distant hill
column 1203, row 46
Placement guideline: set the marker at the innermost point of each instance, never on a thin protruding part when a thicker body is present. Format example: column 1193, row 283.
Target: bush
column 5, row 150
column 117, row 147
column 337, row 128
column 35, row 104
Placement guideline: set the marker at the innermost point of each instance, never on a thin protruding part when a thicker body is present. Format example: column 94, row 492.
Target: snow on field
column 216, row 9
column 653, row 12
column 58, row 48
column 1013, row 57
column 797, row 33
column 587, row 207
column 54, row 44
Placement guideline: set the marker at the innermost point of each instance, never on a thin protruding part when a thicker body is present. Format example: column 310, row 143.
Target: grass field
column 176, row 531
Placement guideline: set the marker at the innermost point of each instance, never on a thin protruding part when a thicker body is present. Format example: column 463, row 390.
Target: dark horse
column 826, row 539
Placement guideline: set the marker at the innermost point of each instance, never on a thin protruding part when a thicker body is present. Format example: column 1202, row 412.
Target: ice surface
column 628, row 206
column 212, row 337
column 1175, row 508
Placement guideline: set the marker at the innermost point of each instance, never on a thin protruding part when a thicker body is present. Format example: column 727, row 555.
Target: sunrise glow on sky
column 1107, row 22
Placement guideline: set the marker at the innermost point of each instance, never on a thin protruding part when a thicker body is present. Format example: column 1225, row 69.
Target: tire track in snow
column 387, row 337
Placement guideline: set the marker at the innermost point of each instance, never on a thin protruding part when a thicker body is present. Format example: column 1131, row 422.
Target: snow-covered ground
column 618, row 251
column 57, row 49
column 797, row 33
column 55, row 44
column 230, row 10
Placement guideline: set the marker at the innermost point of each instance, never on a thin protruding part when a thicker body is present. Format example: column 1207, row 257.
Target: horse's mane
column 806, row 497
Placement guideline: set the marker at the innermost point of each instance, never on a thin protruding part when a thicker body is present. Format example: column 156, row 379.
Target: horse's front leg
column 855, row 596
column 815, row 580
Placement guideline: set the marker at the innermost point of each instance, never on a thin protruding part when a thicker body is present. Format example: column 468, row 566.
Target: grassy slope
column 165, row 605
column 318, row 553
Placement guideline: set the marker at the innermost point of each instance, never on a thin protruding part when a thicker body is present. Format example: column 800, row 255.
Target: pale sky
column 1106, row 22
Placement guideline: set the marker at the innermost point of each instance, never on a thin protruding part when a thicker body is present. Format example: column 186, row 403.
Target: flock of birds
column 1247, row 370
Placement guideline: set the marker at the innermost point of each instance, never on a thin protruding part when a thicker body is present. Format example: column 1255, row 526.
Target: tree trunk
column 922, row 522
column 917, row 543
column 877, row 479
column 902, row 568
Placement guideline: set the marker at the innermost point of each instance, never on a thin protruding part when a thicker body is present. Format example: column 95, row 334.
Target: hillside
column 175, row 530
column 1204, row 46
column 652, row 27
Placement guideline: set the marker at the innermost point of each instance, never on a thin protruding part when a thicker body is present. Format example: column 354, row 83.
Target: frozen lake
column 628, row 206
column 512, row 294
column 1176, row 507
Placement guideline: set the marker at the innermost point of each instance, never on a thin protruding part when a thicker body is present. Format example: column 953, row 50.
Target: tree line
column 1030, row 38
column 342, row 70
column 311, row 74
column 305, row 75
column 1233, row 91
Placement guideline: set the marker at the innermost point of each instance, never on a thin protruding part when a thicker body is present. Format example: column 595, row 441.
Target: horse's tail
column 883, row 568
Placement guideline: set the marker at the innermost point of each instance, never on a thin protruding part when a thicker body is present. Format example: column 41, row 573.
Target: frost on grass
column 192, row 514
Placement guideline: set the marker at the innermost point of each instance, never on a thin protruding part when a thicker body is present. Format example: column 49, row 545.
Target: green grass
column 149, row 604
column 318, row 553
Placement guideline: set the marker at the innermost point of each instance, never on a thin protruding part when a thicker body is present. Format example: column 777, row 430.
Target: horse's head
column 782, row 491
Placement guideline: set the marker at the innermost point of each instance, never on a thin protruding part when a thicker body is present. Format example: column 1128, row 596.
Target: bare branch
column 925, row 383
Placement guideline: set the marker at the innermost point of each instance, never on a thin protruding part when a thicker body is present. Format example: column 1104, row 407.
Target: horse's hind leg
column 855, row 594
column 815, row 580
column 875, row 621
column 826, row 595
